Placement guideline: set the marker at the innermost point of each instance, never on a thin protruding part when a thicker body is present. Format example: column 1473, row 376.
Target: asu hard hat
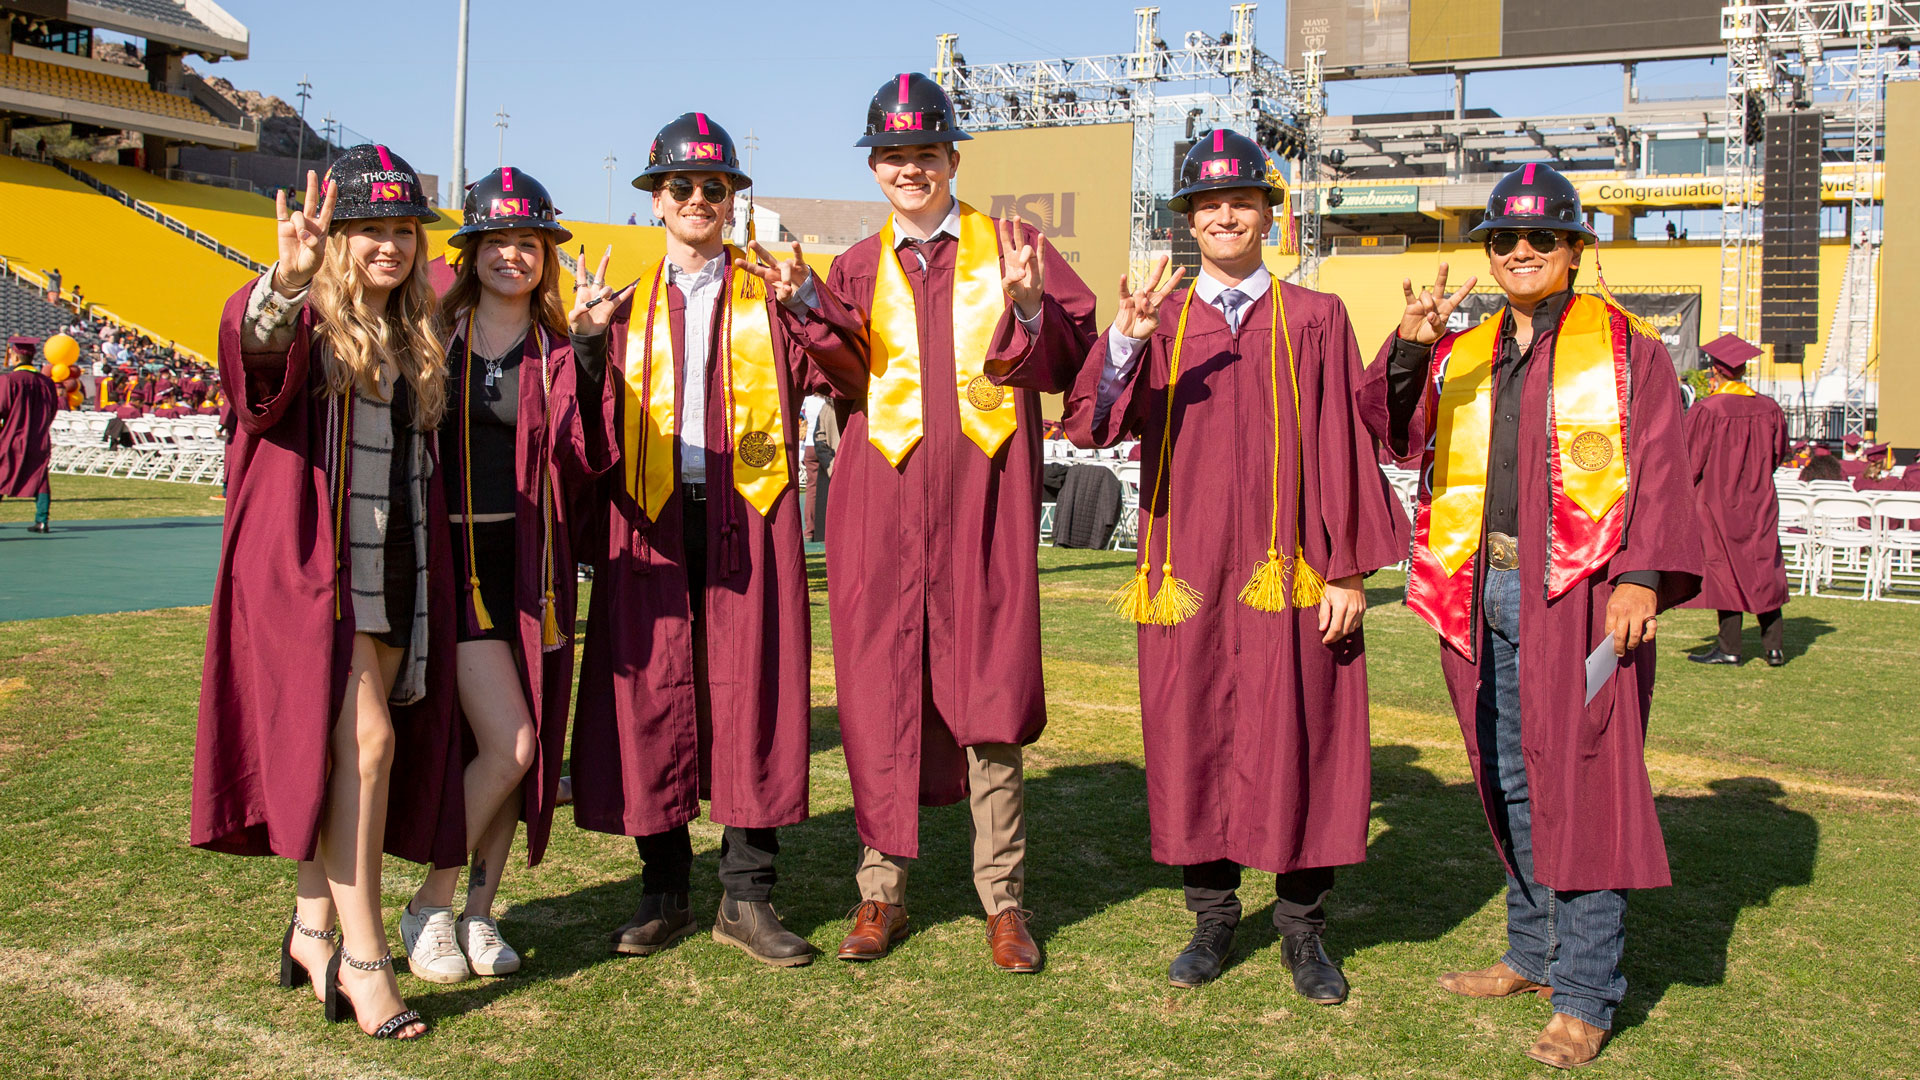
column 911, row 110
column 507, row 198
column 1534, row 196
column 692, row 143
column 1226, row 159
column 375, row 182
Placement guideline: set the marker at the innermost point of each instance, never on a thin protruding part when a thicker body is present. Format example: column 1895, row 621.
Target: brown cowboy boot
column 1497, row 981
column 1013, row 948
column 1569, row 1042
column 877, row 927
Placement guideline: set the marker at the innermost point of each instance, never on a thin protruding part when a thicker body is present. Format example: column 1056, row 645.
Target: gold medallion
column 756, row 449
column 984, row 395
column 1592, row 451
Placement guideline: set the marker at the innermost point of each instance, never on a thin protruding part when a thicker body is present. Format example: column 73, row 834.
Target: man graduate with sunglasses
column 939, row 335
column 694, row 683
column 1555, row 515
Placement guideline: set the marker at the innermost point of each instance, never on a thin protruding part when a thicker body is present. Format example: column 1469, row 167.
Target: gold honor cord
column 1175, row 600
column 480, row 617
column 1267, row 589
column 550, row 637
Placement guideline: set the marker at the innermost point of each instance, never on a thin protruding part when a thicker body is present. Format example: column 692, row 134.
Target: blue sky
column 584, row 78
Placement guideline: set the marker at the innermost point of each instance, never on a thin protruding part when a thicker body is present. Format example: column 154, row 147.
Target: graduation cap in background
column 1729, row 354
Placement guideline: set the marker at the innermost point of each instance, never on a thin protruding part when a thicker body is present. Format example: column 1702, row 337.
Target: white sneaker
column 432, row 952
column 486, row 950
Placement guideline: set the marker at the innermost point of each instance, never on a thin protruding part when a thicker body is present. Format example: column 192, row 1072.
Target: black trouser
column 1300, row 896
column 746, row 855
column 1773, row 631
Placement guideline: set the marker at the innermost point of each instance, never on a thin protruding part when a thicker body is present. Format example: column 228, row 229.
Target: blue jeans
column 1571, row 941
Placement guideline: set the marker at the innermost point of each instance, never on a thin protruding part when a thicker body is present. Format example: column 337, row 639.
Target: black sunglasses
column 1540, row 240
column 680, row 189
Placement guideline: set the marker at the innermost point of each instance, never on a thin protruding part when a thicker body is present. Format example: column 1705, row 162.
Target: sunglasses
column 680, row 189
column 1540, row 240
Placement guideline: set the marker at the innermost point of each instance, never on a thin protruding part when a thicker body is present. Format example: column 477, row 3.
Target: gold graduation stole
column 1736, row 388
column 894, row 406
column 756, row 430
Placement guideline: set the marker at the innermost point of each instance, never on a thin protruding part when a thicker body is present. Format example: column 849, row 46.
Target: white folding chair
column 1844, row 550
column 1126, row 532
column 1796, row 537
column 1821, row 487
column 1896, row 519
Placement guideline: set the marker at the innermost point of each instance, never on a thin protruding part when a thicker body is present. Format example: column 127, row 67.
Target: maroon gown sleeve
column 1366, row 527
column 1662, row 531
column 1048, row 358
column 261, row 386
column 1127, row 416
column 835, row 336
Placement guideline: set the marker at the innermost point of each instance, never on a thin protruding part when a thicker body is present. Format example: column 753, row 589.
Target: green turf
column 1785, row 948
column 94, row 497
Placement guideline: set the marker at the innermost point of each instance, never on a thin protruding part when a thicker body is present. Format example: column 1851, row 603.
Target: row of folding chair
column 1861, row 545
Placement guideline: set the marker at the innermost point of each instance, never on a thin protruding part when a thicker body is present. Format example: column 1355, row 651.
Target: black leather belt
column 1503, row 552
column 693, row 492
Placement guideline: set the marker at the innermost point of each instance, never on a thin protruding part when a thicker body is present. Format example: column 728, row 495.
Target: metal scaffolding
column 1156, row 88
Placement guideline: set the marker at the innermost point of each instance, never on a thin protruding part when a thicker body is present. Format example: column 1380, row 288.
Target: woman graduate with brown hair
column 329, row 664
column 517, row 457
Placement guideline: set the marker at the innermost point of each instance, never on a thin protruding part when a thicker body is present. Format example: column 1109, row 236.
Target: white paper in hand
column 1601, row 664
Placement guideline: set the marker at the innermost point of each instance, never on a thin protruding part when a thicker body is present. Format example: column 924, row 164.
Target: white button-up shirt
column 1121, row 349
column 702, row 289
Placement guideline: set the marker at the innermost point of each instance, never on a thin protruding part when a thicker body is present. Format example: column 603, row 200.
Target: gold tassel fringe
column 480, row 616
column 1175, row 602
column 1266, row 590
column 549, row 624
column 1308, row 586
column 1132, row 599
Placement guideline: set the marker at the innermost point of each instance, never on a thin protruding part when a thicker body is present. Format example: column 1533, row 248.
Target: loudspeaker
column 1186, row 249
column 1790, row 230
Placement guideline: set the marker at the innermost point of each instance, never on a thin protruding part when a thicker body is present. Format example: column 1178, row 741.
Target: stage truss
column 1214, row 81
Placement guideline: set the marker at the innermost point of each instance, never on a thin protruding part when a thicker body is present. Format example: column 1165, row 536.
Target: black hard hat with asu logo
column 507, row 198
column 1534, row 196
column 1226, row 159
column 692, row 143
column 375, row 182
column 911, row 110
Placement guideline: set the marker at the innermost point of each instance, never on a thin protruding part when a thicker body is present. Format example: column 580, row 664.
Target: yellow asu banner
column 1836, row 185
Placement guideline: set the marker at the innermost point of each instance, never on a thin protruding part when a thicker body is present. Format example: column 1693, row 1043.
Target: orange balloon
column 61, row 349
column 60, row 373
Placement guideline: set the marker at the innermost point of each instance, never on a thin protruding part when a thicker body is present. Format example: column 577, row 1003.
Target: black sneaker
column 1314, row 975
column 1713, row 656
column 661, row 920
column 39, row 527
column 1206, row 953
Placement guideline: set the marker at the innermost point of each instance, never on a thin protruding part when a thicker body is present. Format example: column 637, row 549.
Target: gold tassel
column 1308, row 586
column 1634, row 322
column 480, row 616
column 1266, row 590
column 1132, row 599
column 1174, row 602
column 549, row 623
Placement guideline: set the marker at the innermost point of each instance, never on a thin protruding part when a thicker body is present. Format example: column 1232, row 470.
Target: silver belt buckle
column 1503, row 552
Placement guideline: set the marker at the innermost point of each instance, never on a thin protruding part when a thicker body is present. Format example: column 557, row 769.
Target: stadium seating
column 239, row 219
column 24, row 310
column 137, row 268
column 39, row 77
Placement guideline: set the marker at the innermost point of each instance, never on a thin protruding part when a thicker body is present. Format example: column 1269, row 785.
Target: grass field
column 1790, row 799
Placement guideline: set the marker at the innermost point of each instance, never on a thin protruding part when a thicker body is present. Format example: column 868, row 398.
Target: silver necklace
column 494, row 365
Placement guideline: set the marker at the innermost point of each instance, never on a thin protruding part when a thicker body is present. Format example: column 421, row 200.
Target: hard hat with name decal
column 375, row 182
column 508, row 198
column 692, row 143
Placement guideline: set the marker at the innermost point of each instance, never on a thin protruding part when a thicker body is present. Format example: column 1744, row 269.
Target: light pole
column 459, row 180
column 329, row 134
column 608, row 162
column 500, row 121
column 300, row 137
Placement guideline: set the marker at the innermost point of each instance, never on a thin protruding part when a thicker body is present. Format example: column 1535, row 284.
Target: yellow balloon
column 61, row 349
column 60, row 373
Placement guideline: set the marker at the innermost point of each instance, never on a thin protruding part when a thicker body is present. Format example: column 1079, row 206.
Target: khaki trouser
column 996, row 795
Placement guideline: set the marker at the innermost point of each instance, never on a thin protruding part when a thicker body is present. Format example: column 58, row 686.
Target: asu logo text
column 1051, row 213
column 704, row 151
column 392, row 191
column 1218, row 167
column 515, row 207
column 903, row 121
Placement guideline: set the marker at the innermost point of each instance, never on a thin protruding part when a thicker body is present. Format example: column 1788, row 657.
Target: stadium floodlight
column 500, row 121
column 608, row 163
column 300, row 137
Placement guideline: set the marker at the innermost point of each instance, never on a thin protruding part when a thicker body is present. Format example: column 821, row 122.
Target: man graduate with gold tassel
column 694, row 680
column 1555, row 515
column 934, row 510
column 1262, row 511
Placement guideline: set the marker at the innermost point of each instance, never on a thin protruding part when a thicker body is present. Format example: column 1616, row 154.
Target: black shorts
column 493, row 559
column 398, row 585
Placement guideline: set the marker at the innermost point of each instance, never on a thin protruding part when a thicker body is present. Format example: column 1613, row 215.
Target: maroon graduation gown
column 933, row 567
column 1594, row 825
column 549, row 434
column 642, row 757
column 1734, row 443
column 277, row 659
column 1256, row 732
column 28, row 401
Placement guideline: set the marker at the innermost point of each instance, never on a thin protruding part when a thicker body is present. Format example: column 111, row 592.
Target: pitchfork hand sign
column 303, row 234
column 1139, row 313
column 1026, row 276
column 784, row 279
column 1425, row 320
column 594, row 301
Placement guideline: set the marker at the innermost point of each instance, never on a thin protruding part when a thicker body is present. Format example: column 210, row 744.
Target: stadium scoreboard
column 1363, row 38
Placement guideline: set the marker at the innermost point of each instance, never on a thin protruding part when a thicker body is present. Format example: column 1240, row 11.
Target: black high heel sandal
column 340, row 1007
column 293, row 973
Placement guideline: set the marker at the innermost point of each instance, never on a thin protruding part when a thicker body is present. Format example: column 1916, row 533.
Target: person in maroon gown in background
column 327, row 725
column 523, row 447
column 28, row 400
column 695, row 680
column 934, row 511
column 1564, row 543
column 1254, row 705
column 1735, row 440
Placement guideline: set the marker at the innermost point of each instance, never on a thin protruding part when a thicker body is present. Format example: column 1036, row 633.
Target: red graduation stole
column 1587, row 463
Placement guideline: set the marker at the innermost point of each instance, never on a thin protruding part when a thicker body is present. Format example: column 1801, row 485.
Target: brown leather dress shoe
column 1497, row 981
column 877, row 927
column 1569, row 1042
column 1013, row 948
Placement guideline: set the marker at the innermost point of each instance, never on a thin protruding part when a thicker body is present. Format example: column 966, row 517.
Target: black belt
column 693, row 492
column 1503, row 552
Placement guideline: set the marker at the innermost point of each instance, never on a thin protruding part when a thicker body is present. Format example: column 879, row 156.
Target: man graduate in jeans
column 1555, row 503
